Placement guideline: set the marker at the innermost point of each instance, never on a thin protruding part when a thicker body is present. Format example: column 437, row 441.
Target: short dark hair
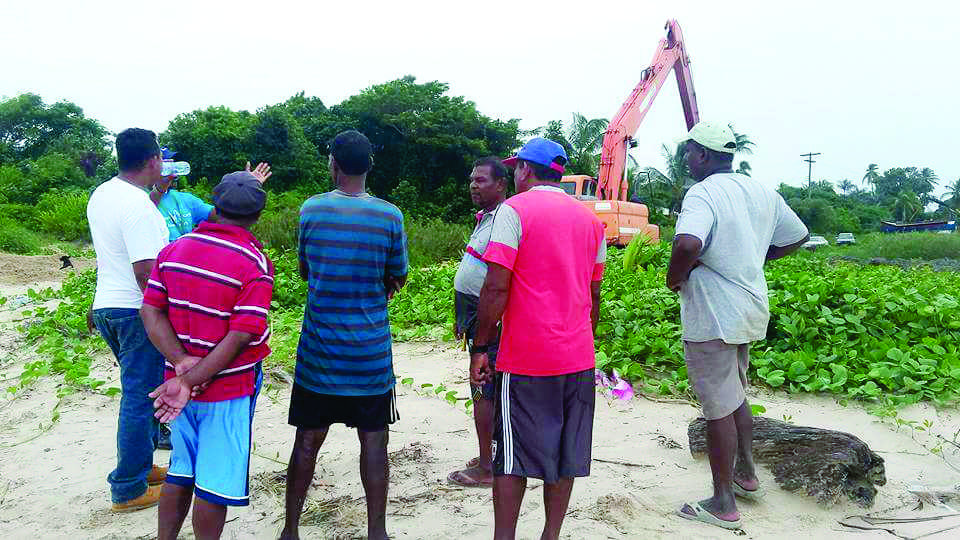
column 135, row 147
column 544, row 173
column 352, row 151
column 722, row 157
column 497, row 168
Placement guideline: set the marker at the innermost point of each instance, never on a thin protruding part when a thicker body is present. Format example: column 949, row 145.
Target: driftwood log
column 829, row 465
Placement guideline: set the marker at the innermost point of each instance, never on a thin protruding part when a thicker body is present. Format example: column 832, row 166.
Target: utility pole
column 810, row 161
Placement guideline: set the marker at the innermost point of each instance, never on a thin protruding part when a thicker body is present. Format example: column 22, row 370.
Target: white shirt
column 126, row 227
column 737, row 218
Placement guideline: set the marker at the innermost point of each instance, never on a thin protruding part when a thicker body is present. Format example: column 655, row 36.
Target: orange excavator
column 607, row 194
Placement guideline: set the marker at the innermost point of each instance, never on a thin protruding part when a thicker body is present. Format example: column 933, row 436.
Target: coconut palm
column 906, row 206
column 846, row 186
column 585, row 137
column 672, row 183
column 744, row 144
column 927, row 179
column 952, row 195
column 872, row 177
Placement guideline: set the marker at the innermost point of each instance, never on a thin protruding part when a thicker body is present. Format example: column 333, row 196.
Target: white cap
column 713, row 135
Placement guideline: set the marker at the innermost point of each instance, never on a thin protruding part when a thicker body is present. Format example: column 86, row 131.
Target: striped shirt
column 210, row 282
column 349, row 245
column 473, row 270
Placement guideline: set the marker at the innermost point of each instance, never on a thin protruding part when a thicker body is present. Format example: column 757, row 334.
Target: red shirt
column 555, row 247
column 210, row 282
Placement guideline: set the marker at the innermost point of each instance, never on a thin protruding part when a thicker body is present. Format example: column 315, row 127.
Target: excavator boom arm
column 670, row 55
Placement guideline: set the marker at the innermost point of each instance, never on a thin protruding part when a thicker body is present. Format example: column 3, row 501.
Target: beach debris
column 617, row 386
column 826, row 464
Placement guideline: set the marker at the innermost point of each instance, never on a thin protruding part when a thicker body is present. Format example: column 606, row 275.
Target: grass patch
column 433, row 241
column 916, row 245
column 15, row 238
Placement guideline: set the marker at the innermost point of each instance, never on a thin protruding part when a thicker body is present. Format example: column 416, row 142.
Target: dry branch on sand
column 826, row 464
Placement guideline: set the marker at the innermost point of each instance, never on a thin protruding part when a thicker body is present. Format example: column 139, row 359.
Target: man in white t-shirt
column 128, row 233
column 729, row 226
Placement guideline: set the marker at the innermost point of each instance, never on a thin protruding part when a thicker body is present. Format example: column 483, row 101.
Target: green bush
column 15, row 238
column 23, row 214
column 64, row 215
column 433, row 241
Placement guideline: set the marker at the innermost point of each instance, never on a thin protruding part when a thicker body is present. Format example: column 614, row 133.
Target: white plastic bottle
column 176, row 168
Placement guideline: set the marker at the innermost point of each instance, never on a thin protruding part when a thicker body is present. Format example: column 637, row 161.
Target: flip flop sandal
column 701, row 515
column 473, row 463
column 459, row 478
column 750, row 495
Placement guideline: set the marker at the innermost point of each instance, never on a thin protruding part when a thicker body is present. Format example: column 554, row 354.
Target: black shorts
column 310, row 410
column 543, row 426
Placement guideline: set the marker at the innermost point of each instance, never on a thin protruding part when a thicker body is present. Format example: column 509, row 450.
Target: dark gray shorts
column 543, row 426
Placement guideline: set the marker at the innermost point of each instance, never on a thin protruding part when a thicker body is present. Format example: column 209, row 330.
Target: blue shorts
column 211, row 450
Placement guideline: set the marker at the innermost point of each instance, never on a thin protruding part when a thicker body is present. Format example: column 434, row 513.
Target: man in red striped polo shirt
column 205, row 309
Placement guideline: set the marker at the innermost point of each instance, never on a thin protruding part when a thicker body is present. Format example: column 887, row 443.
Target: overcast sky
column 859, row 81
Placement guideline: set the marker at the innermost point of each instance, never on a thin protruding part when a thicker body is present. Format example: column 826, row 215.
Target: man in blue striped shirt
column 353, row 254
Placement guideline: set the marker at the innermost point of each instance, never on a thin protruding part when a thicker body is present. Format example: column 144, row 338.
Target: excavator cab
column 581, row 187
column 622, row 220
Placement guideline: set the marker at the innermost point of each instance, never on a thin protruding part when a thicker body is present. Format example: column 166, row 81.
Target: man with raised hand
column 353, row 255
column 545, row 263
column 205, row 309
column 128, row 232
column 183, row 211
column 729, row 226
column 488, row 189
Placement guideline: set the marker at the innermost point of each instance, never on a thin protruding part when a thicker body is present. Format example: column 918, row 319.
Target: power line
column 810, row 161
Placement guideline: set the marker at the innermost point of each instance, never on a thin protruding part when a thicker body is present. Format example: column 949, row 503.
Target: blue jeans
column 141, row 371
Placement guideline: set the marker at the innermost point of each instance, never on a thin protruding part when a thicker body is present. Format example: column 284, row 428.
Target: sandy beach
column 53, row 476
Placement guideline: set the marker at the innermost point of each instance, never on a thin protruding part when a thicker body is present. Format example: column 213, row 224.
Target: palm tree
column 952, row 195
column 928, row 180
column 674, row 182
column 872, row 177
column 744, row 144
column 906, row 206
column 585, row 137
column 744, row 168
column 846, row 186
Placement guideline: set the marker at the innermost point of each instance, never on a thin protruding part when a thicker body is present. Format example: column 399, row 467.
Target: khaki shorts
column 718, row 373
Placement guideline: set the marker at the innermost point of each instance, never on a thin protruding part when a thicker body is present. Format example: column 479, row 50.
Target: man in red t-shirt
column 205, row 309
column 545, row 262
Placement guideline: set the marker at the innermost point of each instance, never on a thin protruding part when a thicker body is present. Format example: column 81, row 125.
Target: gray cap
column 239, row 193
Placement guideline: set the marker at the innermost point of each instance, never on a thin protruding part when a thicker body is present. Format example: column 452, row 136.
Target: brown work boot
column 148, row 499
column 157, row 475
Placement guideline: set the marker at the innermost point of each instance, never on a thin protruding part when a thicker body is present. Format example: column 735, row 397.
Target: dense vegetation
column 883, row 334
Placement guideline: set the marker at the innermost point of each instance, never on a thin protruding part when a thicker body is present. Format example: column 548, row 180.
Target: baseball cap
column 166, row 153
column 541, row 151
column 713, row 135
column 239, row 193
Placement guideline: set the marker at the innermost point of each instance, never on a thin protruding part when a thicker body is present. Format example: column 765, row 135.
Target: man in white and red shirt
column 545, row 262
column 205, row 309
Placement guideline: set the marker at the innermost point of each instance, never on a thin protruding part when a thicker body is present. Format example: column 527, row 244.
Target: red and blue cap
column 542, row 152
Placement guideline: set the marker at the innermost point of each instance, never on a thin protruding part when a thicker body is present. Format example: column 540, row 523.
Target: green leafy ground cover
column 876, row 333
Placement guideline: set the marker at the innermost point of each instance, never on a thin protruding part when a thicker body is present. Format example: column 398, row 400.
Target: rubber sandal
column 749, row 495
column 460, row 478
column 701, row 515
